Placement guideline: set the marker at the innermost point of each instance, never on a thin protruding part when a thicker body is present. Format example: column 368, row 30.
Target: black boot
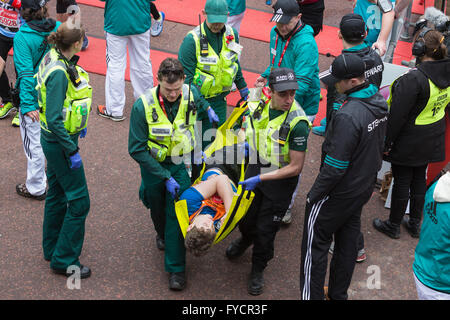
column 237, row 248
column 387, row 227
column 85, row 272
column 160, row 243
column 412, row 226
column 177, row 281
column 255, row 284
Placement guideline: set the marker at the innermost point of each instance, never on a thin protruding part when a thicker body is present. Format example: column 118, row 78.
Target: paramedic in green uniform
column 276, row 132
column 63, row 90
column 162, row 133
column 209, row 55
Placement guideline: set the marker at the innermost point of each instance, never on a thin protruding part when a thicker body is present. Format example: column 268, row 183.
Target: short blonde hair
column 199, row 240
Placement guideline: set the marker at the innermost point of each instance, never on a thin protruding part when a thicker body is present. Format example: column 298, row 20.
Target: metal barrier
column 403, row 19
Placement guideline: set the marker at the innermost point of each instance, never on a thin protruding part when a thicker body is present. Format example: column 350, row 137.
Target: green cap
column 216, row 11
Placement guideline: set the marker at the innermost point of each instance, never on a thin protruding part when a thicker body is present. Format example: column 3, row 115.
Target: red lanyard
column 285, row 46
column 161, row 103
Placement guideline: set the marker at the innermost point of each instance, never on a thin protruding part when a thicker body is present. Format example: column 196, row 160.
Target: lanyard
column 285, row 46
column 161, row 103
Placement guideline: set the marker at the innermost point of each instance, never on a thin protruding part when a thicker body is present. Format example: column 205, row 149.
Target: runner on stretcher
column 208, row 203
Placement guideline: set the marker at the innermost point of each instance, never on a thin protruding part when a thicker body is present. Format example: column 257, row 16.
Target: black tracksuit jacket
column 353, row 146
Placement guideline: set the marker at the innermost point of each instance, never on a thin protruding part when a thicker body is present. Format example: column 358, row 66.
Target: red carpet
column 419, row 8
column 255, row 24
column 403, row 51
column 93, row 60
column 183, row 11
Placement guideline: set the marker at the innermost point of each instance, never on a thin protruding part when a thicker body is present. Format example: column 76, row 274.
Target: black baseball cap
column 345, row 66
column 353, row 27
column 34, row 4
column 284, row 11
column 282, row 79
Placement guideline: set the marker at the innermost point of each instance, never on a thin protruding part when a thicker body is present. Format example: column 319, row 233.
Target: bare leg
column 219, row 184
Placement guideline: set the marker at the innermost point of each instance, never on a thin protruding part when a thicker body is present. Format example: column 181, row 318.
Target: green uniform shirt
column 57, row 84
column 188, row 58
column 127, row 17
column 138, row 134
column 298, row 137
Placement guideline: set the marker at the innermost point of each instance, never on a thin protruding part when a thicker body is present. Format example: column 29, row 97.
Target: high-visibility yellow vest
column 435, row 108
column 263, row 134
column 164, row 137
column 214, row 73
column 77, row 104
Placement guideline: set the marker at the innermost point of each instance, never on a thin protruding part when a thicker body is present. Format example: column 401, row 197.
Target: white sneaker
column 287, row 219
column 157, row 25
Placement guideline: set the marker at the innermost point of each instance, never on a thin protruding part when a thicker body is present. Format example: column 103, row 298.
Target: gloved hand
column 212, row 115
column 172, row 186
column 244, row 93
column 244, row 148
column 75, row 161
column 199, row 157
column 251, row 183
column 83, row 133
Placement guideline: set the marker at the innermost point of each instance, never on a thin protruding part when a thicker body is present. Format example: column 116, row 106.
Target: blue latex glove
column 212, row 115
column 75, row 161
column 251, row 183
column 172, row 186
column 244, row 93
column 83, row 133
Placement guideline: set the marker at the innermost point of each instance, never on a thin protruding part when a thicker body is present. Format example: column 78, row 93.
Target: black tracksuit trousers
column 341, row 217
column 260, row 225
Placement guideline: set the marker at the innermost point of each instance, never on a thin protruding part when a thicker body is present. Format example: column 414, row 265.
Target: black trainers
column 388, row 228
column 255, row 284
column 22, row 190
column 237, row 248
column 412, row 227
column 177, row 281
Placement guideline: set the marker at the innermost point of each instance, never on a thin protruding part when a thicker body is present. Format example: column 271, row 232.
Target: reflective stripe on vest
column 166, row 138
column 435, row 108
column 265, row 132
column 77, row 104
column 214, row 73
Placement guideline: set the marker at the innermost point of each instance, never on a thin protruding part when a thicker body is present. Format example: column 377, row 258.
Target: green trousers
column 66, row 207
column 219, row 105
column 154, row 195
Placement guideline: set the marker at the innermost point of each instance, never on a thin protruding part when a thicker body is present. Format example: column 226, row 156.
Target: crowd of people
column 170, row 124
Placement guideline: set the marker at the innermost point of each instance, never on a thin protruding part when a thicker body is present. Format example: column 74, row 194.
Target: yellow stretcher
column 242, row 199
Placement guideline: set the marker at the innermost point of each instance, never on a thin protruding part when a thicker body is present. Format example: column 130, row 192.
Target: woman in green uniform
column 65, row 100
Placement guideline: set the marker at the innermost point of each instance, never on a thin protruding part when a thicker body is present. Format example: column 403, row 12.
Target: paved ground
column 119, row 245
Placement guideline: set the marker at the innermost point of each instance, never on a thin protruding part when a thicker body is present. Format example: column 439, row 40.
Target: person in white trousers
column 30, row 46
column 127, row 25
column 36, row 182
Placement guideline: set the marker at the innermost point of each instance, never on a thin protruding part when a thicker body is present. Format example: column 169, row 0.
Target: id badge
column 236, row 47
